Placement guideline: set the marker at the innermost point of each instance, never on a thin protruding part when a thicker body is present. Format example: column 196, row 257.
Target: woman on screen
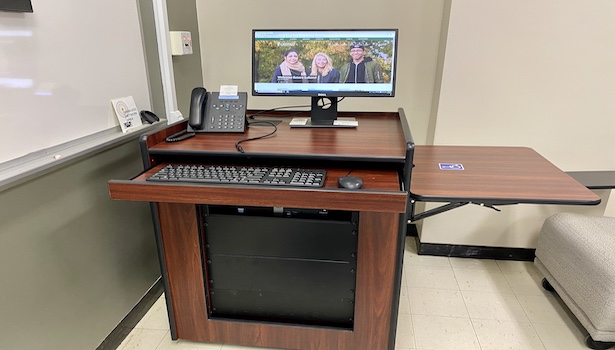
column 291, row 70
column 322, row 71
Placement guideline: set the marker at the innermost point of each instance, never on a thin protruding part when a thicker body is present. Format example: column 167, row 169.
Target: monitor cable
column 272, row 123
column 288, row 107
column 278, row 108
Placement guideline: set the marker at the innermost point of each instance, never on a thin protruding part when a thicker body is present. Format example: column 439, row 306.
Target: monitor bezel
column 16, row 6
column 328, row 93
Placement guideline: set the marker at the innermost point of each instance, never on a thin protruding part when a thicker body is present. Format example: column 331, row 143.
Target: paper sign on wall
column 127, row 113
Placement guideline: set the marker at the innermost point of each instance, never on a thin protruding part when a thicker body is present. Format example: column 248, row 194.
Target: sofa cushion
column 579, row 252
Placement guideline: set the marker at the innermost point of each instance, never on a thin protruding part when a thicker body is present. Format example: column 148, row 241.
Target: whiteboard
column 59, row 68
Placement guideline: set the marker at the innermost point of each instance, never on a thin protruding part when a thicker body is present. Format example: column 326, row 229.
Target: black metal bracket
column 434, row 211
column 447, row 207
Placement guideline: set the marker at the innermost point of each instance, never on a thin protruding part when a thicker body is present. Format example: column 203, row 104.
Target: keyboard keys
column 276, row 176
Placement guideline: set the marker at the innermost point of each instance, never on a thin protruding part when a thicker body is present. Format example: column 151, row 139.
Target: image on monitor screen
column 324, row 64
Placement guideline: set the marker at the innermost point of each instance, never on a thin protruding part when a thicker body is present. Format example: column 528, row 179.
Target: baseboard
column 477, row 252
column 121, row 331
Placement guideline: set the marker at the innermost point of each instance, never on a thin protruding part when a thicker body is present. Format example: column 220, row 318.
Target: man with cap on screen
column 360, row 69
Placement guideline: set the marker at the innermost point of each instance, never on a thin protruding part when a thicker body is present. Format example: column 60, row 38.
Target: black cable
column 275, row 128
column 278, row 108
column 288, row 107
column 349, row 172
column 180, row 136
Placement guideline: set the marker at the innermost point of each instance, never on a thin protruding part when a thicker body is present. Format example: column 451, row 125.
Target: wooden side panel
column 180, row 240
column 376, row 264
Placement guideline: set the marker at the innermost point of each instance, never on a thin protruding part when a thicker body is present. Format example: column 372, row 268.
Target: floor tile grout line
column 413, row 330
column 542, row 341
column 467, row 311
column 162, row 340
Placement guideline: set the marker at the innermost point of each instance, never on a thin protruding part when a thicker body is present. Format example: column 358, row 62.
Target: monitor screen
column 319, row 63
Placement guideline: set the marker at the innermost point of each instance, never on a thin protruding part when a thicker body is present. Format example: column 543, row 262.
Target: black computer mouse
column 350, row 182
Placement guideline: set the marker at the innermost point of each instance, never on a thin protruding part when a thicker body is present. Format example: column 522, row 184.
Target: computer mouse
column 350, row 182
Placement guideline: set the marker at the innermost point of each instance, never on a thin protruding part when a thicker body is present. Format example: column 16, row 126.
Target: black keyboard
column 250, row 175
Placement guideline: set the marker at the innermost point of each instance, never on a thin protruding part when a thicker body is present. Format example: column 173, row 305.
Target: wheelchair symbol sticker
column 450, row 166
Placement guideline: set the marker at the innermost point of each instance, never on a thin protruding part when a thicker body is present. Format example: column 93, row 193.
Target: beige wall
column 537, row 74
column 226, row 46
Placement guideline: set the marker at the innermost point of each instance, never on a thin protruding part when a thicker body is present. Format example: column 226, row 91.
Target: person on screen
column 291, row 70
column 322, row 70
column 360, row 69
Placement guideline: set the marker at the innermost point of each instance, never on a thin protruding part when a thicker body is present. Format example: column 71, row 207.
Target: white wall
column 226, row 46
column 537, row 74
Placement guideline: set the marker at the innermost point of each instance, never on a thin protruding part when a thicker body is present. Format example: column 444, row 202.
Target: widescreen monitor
column 324, row 64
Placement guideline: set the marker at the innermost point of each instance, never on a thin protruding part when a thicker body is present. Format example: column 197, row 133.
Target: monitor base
column 344, row 122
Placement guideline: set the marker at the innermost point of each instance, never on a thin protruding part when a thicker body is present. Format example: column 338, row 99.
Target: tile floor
column 446, row 303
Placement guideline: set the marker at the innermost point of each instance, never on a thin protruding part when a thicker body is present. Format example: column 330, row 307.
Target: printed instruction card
column 127, row 113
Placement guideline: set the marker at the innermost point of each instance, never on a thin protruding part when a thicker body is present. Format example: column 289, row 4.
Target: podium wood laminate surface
column 493, row 175
column 379, row 137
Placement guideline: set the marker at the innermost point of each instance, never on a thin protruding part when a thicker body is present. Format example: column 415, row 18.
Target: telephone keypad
column 227, row 115
column 226, row 122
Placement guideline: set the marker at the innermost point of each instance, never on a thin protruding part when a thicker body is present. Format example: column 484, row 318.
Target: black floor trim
column 115, row 338
column 477, row 252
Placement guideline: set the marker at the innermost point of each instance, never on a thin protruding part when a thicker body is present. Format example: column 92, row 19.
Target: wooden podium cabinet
column 323, row 274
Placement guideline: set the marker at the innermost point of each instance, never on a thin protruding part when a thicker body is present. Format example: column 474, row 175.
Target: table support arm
column 434, row 211
column 447, row 207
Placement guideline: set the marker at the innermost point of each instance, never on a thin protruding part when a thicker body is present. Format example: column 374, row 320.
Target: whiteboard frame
column 163, row 36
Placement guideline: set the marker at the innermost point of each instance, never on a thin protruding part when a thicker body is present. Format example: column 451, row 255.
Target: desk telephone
column 209, row 112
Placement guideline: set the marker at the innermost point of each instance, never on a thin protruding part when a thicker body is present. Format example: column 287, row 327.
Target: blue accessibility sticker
column 450, row 166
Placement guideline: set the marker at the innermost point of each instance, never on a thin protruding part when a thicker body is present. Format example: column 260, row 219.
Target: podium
column 283, row 267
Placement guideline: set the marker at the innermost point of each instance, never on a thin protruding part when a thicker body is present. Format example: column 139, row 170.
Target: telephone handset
column 198, row 102
column 209, row 112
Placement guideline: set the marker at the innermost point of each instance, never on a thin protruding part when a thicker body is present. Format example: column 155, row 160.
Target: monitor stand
column 324, row 115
